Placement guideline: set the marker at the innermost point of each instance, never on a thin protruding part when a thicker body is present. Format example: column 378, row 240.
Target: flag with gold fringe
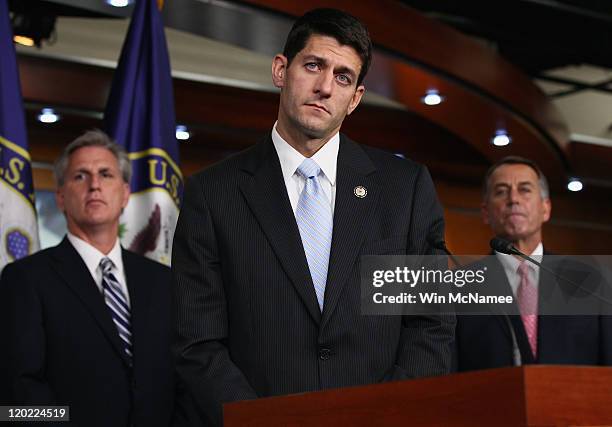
column 140, row 116
column 18, row 227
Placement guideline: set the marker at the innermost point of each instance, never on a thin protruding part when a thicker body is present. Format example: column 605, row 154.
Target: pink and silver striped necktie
column 527, row 296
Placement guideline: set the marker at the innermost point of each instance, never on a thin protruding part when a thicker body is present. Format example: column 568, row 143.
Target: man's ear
column 356, row 99
column 59, row 199
column 546, row 209
column 126, row 195
column 484, row 212
column 279, row 70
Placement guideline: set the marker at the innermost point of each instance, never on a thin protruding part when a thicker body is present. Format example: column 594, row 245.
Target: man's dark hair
column 517, row 160
column 345, row 28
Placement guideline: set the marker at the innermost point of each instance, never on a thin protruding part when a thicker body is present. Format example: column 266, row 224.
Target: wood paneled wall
column 579, row 225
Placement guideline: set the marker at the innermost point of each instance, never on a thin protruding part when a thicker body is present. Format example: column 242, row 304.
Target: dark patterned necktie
column 117, row 304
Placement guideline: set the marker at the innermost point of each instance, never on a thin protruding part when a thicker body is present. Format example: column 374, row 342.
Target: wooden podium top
column 536, row 395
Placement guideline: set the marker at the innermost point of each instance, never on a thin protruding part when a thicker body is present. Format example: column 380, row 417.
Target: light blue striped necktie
column 315, row 222
column 117, row 304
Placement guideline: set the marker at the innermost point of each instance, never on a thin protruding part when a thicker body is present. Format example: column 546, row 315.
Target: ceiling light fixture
column 432, row 97
column 48, row 115
column 182, row 133
column 31, row 27
column 574, row 185
column 118, row 3
column 501, row 138
column 24, row 41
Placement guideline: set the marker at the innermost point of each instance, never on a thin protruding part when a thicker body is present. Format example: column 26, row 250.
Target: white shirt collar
column 92, row 256
column 291, row 159
column 511, row 263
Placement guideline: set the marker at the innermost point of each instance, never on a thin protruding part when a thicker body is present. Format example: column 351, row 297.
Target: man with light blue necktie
column 266, row 255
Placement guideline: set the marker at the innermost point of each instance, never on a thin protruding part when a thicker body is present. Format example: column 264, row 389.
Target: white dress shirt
column 92, row 256
column 291, row 159
column 511, row 265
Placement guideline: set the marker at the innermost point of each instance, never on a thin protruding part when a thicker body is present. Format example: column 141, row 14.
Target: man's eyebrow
column 88, row 171
column 501, row 184
column 506, row 185
column 315, row 58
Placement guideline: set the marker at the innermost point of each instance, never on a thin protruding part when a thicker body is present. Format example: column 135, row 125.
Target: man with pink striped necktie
column 515, row 205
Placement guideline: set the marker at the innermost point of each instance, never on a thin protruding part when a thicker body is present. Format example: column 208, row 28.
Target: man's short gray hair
column 517, row 160
column 92, row 138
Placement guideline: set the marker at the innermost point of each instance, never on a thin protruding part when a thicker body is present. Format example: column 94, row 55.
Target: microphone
column 437, row 242
column 505, row 247
column 502, row 245
column 517, row 359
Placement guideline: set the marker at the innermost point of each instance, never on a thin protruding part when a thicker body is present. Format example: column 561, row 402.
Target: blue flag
column 18, row 228
column 140, row 116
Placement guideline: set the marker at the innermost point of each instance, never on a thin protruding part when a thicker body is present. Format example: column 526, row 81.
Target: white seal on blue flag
column 18, row 227
column 148, row 223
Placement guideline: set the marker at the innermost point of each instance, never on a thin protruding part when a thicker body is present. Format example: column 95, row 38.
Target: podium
column 536, row 395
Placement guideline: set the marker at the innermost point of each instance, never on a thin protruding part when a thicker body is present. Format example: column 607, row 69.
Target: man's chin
column 314, row 128
column 515, row 236
column 95, row 221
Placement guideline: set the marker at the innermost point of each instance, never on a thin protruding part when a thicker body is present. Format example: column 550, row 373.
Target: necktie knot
column 309, row 169
column 106, row 265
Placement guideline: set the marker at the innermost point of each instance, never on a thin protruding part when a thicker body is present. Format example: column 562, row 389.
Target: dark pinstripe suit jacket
column 61, row 347
column 247, row 316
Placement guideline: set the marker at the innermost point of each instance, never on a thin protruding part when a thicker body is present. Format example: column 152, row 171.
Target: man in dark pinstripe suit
column 250, row 322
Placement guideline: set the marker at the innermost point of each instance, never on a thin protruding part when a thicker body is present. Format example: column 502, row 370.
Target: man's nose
column 513, row 196
column 94, row 182
column 325, row 83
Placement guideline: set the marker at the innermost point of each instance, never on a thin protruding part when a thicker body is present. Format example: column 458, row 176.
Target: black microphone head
column 437, row 242
column 502, row 245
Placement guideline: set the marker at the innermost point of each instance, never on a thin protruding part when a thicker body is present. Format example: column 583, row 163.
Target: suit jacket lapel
column 137, row 278
column 72, row 269
column 350, row 216
column 265, row 192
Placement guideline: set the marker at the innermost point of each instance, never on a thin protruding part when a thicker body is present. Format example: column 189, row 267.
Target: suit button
column 324, row 353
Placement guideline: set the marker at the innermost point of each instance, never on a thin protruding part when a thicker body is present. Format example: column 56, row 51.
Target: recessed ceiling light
column 432, row 97
column 182, row 133
column 501, row 138
column 48, row 115
column 118, row 3
column 574, row 184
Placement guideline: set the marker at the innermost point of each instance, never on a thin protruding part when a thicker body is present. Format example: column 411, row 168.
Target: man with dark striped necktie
column 86, row 324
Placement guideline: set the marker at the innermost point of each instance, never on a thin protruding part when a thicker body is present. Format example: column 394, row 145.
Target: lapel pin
column 360, row 191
